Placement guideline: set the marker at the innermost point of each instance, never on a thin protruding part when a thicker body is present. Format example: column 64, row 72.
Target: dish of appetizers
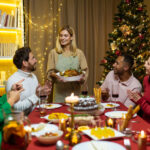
column 55, row 117
column 50, row 137
column 110, row 105
column 42, row 128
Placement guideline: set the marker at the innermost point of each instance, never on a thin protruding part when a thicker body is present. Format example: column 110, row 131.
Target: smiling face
column 147, row 66
column 119, row 65
column 65, row 38
column 31, row 63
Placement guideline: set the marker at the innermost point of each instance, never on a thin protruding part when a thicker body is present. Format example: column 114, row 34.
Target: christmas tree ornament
column 117, row 52
column 113, row 45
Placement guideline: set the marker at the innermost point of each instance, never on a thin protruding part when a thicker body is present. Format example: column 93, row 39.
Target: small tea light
column 72, row 99
column 28, row 131
column 142, row 141
column 110, row 123
column 62, row 124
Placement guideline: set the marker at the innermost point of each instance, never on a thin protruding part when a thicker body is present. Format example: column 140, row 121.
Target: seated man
column 121, row 75
column 7, row 101
column 26, row 62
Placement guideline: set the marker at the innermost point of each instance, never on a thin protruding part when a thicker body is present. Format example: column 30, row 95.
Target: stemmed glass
column 43, row 102
column 43, row 95
column 84, row 90
column 115, row 92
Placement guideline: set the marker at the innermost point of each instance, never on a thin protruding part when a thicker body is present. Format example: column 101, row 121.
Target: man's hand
column 44, row 90
column 18, row 85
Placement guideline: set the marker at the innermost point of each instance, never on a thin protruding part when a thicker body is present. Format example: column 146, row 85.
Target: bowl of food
column 50, row 137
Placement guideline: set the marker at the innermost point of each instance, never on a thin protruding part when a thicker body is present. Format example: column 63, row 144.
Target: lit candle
column 72, row 99
column 28, row 131
column 110, row 123
column 62, row 124
column 123, row 116
column 142, row 141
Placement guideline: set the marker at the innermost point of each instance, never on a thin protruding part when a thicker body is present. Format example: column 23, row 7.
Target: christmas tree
column 131, row 35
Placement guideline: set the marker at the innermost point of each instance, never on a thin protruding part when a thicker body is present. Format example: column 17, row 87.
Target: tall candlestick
column 142, row 141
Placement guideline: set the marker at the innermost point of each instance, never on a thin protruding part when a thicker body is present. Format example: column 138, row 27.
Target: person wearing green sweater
column 7, row 101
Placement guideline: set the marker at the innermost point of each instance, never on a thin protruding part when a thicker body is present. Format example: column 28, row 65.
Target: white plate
column 53, row 120
column 99, row 145
column 47, row 128
column 117, row 134
column 108, row 105
column 52, row 106
column 70, row 79
column 116, row 114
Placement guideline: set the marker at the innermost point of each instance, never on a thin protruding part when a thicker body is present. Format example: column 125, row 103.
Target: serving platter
column 41, row 128
column 98, row 145
column 116, row 136
column 70, row 79
column 117, row 114
column 49, row 106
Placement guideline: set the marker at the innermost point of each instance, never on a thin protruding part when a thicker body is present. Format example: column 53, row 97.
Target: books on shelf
column 7, row 20
column 8, row 49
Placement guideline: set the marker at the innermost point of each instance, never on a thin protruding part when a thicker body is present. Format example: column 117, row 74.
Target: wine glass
column 115, row 92
column 43, row 101
column 84, row 90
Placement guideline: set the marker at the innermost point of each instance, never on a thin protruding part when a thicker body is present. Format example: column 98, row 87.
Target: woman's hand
column 13, row 96
column 55, row 76
column 133, row 95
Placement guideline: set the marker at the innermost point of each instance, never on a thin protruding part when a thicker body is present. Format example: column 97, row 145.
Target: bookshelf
column 11, row 37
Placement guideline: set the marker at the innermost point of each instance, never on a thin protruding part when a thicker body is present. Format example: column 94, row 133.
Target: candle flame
column 123, row 116
column 72, row 94
column 142, row 133
column 110, row 121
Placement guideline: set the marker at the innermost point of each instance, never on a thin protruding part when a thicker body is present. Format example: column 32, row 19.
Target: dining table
column 34, row 117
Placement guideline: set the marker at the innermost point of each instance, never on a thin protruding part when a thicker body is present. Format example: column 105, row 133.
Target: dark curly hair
column 128, row 59
column 20, row 55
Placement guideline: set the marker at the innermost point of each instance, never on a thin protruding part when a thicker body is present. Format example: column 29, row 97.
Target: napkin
column 136, row 109
column 127, row 119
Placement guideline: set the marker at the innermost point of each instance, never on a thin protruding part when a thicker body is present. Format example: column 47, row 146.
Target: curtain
column 91, row 19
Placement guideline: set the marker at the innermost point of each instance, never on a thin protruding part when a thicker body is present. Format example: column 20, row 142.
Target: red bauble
column 141, row 36
column 104, row 61
column 119, row 19
column 127, row 1
column 140, row 9
column 117, row 52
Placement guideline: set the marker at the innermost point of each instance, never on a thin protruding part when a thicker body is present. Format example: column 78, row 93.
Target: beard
column 31, row 67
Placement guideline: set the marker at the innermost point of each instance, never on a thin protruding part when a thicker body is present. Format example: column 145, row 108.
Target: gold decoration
column 129, row 13
column 113, row 45
column 125, row 30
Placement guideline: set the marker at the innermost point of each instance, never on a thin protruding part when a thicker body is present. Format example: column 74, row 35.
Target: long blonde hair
column 73, row 46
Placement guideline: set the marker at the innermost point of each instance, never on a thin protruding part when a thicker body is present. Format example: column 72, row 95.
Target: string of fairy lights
column 49, row 28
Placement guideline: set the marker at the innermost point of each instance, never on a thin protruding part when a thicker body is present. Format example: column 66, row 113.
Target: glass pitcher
column 16, row 131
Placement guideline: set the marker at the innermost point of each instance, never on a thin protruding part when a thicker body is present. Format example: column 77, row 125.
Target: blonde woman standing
column 66, row 56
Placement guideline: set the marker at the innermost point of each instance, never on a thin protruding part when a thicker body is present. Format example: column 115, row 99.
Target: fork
column 127, row 144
